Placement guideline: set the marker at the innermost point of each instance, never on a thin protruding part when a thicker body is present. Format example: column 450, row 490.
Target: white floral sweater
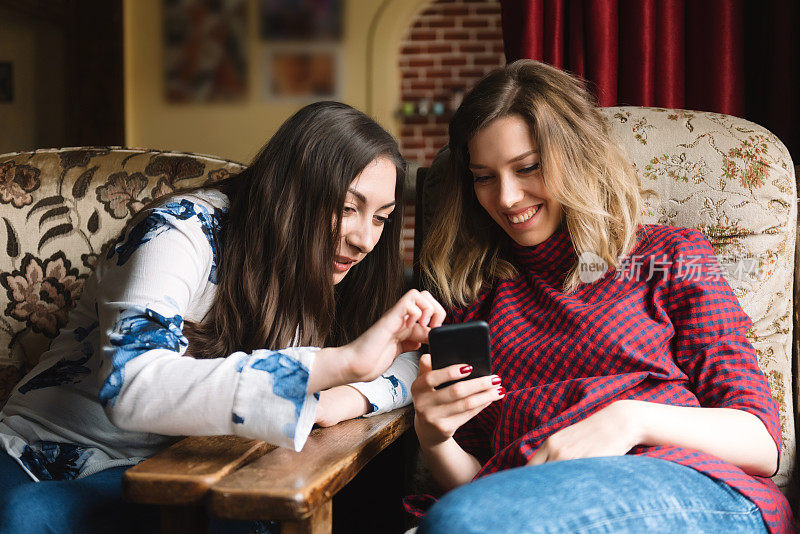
column 114, row 388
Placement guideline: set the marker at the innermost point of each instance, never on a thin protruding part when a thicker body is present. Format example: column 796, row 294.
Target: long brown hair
column 582, row 166
column 284, row 217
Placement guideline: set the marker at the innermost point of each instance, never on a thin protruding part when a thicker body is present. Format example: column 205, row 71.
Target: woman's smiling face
column 506, row 167
column 369, row 204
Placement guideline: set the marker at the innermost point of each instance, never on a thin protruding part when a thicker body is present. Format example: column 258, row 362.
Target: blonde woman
column 625, row 399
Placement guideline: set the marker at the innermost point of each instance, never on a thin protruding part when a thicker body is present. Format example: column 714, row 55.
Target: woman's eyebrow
column 512, row 160
column 363, row 200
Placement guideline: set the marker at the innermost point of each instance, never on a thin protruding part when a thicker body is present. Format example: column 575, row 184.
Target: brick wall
column 449, row 46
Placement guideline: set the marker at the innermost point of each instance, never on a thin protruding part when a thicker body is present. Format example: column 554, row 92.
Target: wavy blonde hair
column 583, row 168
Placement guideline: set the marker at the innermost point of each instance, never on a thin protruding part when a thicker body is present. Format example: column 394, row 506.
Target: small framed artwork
column 6, row 81
column 205, row 50
column 302, row 71
column 300, row 20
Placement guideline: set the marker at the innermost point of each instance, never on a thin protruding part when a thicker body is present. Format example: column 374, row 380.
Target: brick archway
column 448, row 47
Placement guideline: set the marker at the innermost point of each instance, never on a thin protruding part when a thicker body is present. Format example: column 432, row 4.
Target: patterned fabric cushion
column 734, row 181
column 58, row 209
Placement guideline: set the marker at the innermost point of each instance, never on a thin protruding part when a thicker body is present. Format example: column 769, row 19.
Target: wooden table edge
column 301, row 503
column 141, row 485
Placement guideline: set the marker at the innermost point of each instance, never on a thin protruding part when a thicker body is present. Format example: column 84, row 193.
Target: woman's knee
column 480, row 505
column 591, row 493
column 447, row 515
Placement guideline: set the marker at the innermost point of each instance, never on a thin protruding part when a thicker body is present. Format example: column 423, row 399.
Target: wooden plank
column 182, row 474
column 319, row 523
column 284, row 484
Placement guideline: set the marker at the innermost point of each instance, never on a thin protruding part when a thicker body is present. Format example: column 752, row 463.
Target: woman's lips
column 342, row 263
column 523, row 219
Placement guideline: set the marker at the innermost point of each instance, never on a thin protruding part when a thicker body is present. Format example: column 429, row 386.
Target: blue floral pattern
column 397, row 386
column 212, row 228
column 157, row 222
column 142, row 232
column 136, row 332
column 82, row 332
column 54, row 461
column 63, row 372
column 289, row 377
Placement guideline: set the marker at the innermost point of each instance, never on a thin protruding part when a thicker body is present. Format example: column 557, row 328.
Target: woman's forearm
column 331, row 368
column 339, row 404
column 736, row 436
column 450, row 465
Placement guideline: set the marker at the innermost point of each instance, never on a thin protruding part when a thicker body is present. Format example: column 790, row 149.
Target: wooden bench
column 237, row 478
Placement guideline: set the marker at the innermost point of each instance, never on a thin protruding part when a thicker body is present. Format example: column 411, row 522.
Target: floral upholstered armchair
column 58, row 209
column 735, row 182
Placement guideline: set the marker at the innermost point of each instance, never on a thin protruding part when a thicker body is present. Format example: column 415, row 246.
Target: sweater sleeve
column 710, row 344
column 149, row 280
column 392, row 389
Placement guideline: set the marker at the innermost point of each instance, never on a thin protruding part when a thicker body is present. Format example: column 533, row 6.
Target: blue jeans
column 620, row 494
column 93, row 504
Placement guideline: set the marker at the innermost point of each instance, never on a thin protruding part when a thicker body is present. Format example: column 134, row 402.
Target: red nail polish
column 501, row 391
column 496, row 380
column 466, row 370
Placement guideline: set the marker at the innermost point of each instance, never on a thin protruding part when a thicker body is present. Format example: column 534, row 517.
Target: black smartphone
column 466, row 343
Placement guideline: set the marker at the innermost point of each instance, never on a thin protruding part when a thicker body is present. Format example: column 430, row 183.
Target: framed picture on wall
column 205, row 50
column 303, row 71
column 6, row 81
column 300, row 20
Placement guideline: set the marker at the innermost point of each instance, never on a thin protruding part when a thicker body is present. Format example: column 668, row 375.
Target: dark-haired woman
column 251, row 278
column 630, row 401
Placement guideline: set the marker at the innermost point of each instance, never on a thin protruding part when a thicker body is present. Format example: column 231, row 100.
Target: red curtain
column 740, row 57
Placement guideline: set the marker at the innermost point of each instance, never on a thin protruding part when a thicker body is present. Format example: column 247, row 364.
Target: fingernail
column 466, row 370
column 496, row 380
column 501, row 391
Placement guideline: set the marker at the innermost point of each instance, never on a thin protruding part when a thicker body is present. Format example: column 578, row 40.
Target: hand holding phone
column 441, row 412
column 464, row 343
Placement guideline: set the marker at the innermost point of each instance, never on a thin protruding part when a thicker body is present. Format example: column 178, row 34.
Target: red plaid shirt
column 664, row 328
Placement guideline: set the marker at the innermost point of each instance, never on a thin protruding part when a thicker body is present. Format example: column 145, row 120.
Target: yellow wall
column 238, row 130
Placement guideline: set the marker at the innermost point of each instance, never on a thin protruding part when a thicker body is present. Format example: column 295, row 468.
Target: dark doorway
column 77, row 71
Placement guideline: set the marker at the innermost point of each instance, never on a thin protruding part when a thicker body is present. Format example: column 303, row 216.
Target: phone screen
column 464, row 343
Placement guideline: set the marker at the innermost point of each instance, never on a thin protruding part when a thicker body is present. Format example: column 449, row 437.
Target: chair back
column 58, row 208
